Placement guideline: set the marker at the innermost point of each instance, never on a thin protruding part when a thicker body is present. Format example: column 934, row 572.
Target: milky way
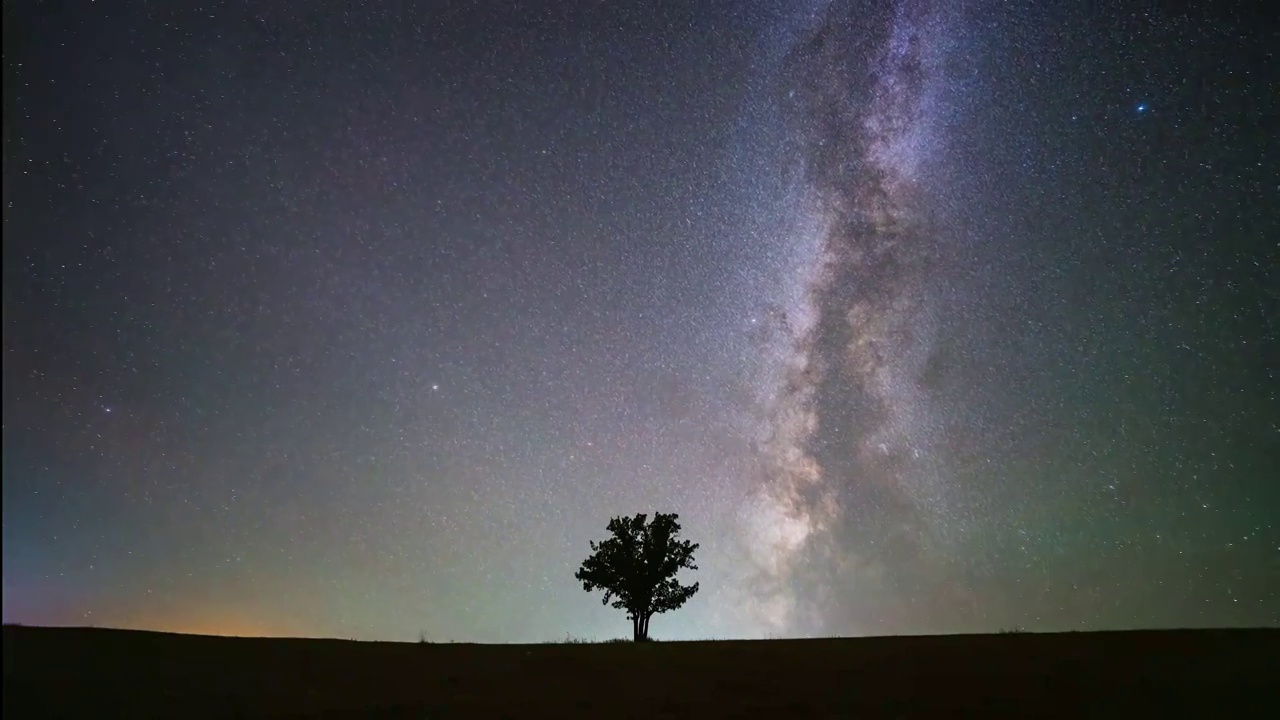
column 844, row 524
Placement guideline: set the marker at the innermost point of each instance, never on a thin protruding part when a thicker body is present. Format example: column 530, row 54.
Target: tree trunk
column 644, row 626
column 635, row 628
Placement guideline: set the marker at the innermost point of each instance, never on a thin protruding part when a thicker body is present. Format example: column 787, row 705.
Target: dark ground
column 73, row 672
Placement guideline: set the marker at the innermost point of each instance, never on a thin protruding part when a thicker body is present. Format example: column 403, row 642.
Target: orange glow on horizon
column 224, row 622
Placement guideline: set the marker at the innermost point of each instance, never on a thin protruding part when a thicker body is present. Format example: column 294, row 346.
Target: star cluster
column 925, row 316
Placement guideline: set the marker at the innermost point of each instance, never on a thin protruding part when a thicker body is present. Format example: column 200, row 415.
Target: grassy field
column 72, row 672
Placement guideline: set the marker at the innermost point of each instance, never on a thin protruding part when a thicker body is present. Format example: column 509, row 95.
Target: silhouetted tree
column 637, row 567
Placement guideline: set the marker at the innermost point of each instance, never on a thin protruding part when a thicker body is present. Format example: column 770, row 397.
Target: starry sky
column 925, row 315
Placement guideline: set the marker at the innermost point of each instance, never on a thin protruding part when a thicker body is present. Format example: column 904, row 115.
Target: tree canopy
column 637, row 566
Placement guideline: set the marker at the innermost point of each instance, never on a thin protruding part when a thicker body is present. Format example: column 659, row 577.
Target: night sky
column 924, row 316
